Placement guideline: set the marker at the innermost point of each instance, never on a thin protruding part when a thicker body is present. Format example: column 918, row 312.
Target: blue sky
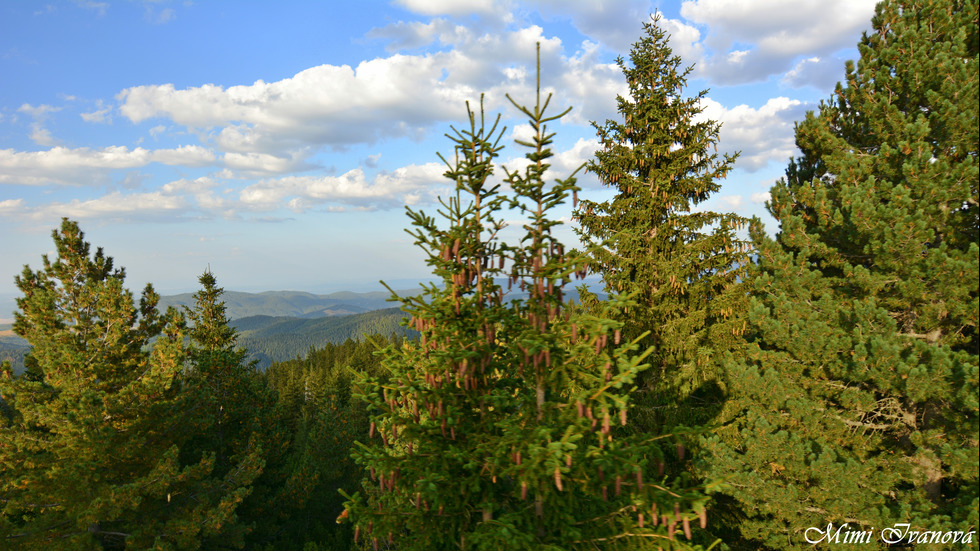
column 278, row 142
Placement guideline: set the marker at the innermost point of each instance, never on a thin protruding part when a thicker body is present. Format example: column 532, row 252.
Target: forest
column 729, row 389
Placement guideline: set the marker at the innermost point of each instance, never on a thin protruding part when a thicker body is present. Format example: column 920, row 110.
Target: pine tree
column 499, row 428
column 859, row 390
column 90, row 454
column 681, row 265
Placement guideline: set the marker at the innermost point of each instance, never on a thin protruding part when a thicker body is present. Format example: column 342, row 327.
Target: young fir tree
column 681, row 265
column 859, row 390
column 224, row 413
column 499, row 428
column 90, row 454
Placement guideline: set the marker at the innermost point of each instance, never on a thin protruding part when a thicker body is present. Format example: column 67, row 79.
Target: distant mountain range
column 295, row 304
column 282, row 325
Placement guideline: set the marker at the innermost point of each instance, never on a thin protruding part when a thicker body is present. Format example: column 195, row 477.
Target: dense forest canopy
column 814, row 387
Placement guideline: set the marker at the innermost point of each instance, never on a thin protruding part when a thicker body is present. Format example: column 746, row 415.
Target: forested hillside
column 12, row 348
column 274, row 339
column 814, row 388
column 293, row 303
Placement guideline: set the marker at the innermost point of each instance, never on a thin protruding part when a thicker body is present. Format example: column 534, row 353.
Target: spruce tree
column 859, row 389
column 652, row 242
column 500, row 428
column 90, row 452
column 225, row 415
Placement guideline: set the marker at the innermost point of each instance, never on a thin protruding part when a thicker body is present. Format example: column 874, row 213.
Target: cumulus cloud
column 685, row 40
column 820, row 73
column 750, row 40
column 400, row 96
column 61, row 165
column 762, row 135
column 592, row 85
column 268, row 133
column 113, row 206
column 407, row 185
column 615, row 24
column 339, row 106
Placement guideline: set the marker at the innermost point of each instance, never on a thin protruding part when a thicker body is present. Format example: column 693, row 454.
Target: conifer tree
column 859, row 390
column 681, row 265
column 500, row 429
column 90, row 454
column 224, row 413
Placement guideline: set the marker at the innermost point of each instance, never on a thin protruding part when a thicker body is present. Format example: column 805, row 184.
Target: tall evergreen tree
column 90, row 454
column 859, row 390
column 681, row 265
column 223, row 414
column 498, row 430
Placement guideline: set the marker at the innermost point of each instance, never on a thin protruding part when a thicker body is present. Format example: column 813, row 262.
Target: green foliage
column 224, row 412
column 313, row 397
column 859, row 389
column 117, row 435
column 680, row 264
column 684, row 267
column 496, row 430
column 88, row 457
column 276, row 339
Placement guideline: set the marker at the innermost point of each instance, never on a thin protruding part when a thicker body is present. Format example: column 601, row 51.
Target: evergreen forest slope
column 293, row 303
column 279, row 338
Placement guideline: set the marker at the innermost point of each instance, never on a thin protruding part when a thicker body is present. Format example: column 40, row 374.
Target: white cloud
column 761, row 198
column 39, row 134
column 396, row 96
column 384, row 98
column 38, row 111
column 565, row 162
column 732, row 202
column 752, row 39
column 591, row 86
column 406, row 185
column 100, row 115
column 451, row 7
column 614, row 24
column 684, row 40
column 99, row 7
column 113, row 206
column 164, row 15
column 408, row 35
column 61, row 165
column 252, row 164
column 372, row 160
column 202, row 191
column 9, row 207
column 762, row 135
column 820, row 73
